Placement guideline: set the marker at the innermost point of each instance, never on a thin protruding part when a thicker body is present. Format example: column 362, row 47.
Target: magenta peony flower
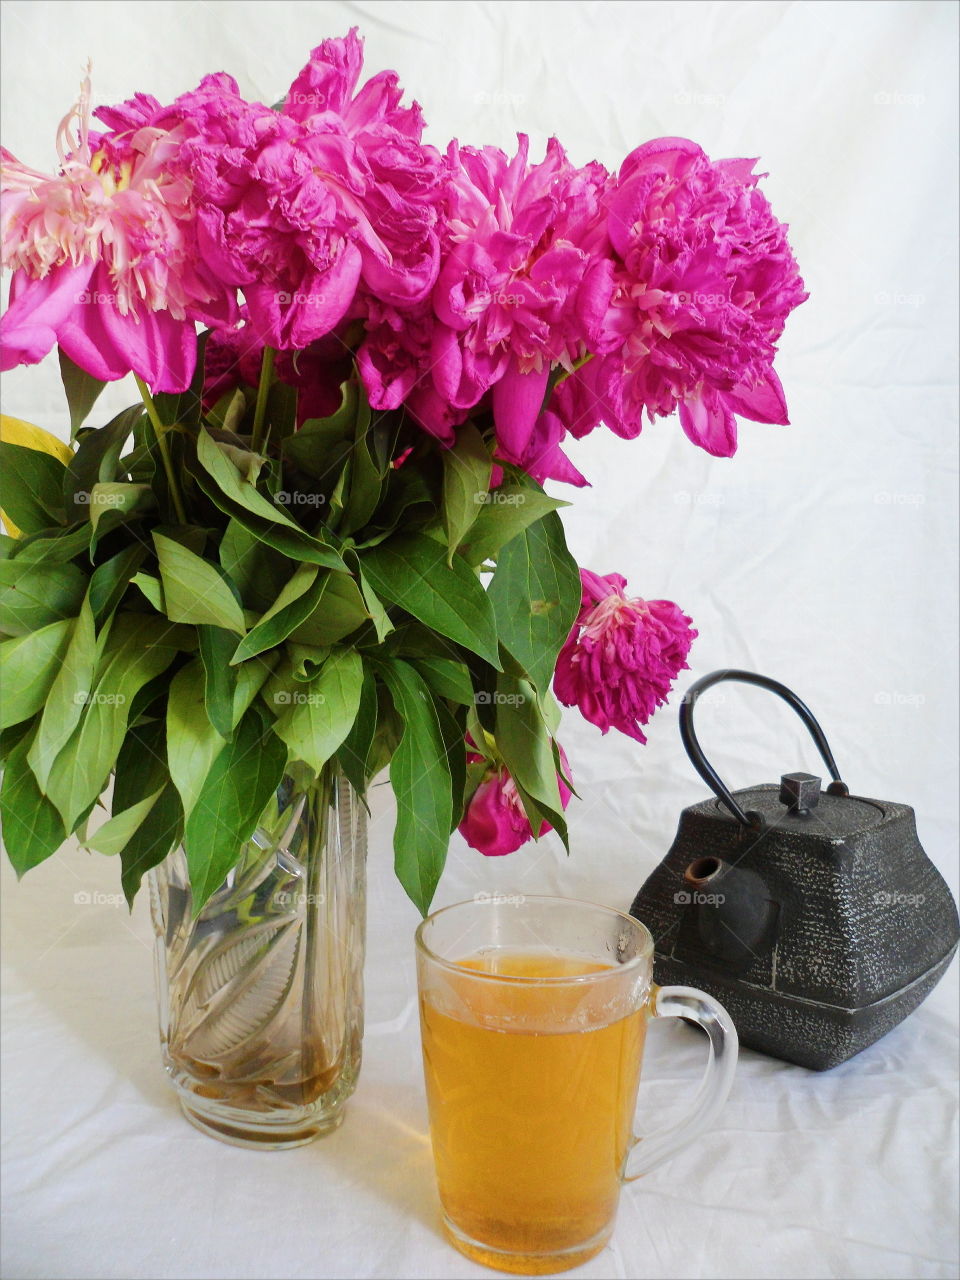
column 105, row 257
column 495, row 822
column 622, row 656
column 705, row 280
column 520, row 286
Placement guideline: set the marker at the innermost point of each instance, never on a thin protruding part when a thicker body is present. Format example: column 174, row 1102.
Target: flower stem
column 263, row 391
column 160, row 431
column 577, row 364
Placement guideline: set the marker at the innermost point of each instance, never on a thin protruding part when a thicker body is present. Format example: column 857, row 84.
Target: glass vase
column 261, row 994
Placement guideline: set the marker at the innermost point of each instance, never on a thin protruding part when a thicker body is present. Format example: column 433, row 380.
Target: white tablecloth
column 850, row 1173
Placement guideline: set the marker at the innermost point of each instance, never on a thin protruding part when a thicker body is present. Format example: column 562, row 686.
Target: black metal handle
column 749, row 818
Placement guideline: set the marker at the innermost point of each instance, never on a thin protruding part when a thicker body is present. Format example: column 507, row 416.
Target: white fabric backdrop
column 824, row 554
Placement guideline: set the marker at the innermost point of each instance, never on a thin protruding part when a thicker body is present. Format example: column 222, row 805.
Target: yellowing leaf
column 25, row 434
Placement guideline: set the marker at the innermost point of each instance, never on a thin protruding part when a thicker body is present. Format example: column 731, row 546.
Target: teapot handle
column 749, row 818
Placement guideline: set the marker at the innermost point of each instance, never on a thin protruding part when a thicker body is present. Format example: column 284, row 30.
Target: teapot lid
column 824, row 813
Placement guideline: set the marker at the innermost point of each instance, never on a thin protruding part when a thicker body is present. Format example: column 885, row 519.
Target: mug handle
column 686, row 1002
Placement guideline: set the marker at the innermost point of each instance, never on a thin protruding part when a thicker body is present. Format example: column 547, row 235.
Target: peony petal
column 38, row 309
column 708, row 422
column 763, row 402
column 517, row 401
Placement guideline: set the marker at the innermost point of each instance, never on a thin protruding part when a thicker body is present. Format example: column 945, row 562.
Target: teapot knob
column 800, row 792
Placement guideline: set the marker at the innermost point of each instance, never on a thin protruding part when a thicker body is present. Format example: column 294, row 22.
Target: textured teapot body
column 815, row 917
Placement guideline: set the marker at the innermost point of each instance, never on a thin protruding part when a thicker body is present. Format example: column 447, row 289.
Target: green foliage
column 195, row 619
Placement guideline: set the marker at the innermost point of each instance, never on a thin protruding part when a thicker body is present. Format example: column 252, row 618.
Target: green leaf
column 447, row 678
column 420, row 774
column 53, row 546
column 340, row 609
column 82, row 390
column 536, row 596
column 193, row 589
column 31, row 487
column 354, row 752
column 96, row 460
column 141, row 771
column 152, row 841
column 527, row 751
column 111, row 579
column 258, row 570
column 139, row 648
column 296, row 602
column 315, row 717
column 152, row 589
column 410, row 572
column 115, row 503
column 466, row 480
column 322, row 445
column 32, row 828
column 193, row 743
column 234, row 794
column 242, row 500
column 220, row 678
column 507, row 511
column 367, row 471
column 34, row 593
column 30, row 665
column 371, row 601
column 111, row 837
column 68, row 694
column 456, row 749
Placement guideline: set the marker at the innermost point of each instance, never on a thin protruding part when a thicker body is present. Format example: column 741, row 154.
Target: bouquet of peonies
column 322, row 539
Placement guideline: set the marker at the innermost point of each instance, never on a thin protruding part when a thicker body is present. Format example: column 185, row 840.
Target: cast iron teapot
column 814, row 916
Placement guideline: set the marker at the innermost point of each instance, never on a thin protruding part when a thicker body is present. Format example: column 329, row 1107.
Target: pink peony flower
column 495, row 822
column 622, row 656
column 105, row 257
column 704, row 280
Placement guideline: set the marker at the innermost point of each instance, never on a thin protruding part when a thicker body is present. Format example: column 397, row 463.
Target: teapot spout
column 736, row 918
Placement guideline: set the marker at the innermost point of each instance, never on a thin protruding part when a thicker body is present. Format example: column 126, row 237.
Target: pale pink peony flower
column 705, row 280
column 495, row 822
column 622, row 656
column 105, row 257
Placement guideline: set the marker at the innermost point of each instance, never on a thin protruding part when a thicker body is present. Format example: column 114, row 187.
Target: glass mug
column 533, row 1012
